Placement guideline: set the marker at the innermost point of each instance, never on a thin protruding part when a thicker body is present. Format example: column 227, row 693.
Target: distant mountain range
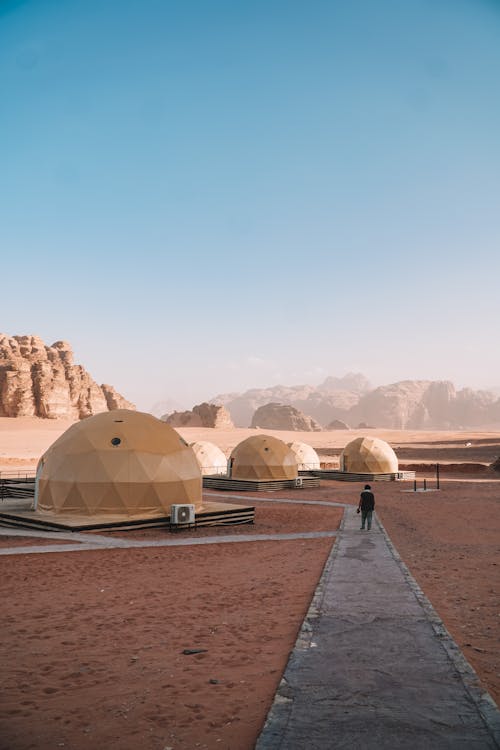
column 408, row 404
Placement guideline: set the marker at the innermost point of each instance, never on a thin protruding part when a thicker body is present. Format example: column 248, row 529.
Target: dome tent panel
column 179, row 466
column 113, row 500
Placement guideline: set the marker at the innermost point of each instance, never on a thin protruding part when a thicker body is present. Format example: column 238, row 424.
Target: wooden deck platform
column 345, row 476
column 259, row 485
column 211, row 514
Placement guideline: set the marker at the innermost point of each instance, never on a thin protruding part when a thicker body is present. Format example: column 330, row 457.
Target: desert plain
column 93, row 641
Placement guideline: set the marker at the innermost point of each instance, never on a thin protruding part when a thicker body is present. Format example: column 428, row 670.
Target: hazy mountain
column 353, row 382
column 167, row 406
column 408, row 404
column 330, row 400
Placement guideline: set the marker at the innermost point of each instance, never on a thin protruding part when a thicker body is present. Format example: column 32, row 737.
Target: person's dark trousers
column 366, row 518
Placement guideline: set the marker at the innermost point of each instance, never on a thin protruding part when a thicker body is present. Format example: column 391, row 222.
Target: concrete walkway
column 373, row 666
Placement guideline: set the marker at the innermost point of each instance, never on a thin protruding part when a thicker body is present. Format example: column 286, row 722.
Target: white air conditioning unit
column 180, row 514
column 299, row 482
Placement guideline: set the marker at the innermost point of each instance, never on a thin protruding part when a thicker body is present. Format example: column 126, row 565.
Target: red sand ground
column 270, row 518
column 93, row 647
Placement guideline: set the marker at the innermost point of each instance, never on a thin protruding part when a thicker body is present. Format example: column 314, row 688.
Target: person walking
column 366, row 506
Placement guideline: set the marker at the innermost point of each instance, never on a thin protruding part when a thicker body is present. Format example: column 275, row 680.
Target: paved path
column 374, row 667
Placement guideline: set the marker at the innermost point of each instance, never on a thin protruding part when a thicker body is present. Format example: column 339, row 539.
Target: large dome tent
column 210, row 457
column 305, row 455
column 263, row 457
column 118, row 463
column 367, row 455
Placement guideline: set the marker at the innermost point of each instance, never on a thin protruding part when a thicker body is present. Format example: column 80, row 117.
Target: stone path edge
column 133, row 544
column 486, row 706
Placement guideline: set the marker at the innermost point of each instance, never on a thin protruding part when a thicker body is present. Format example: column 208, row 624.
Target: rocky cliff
column 283, row 417
column 42, row 381
column 203, row 415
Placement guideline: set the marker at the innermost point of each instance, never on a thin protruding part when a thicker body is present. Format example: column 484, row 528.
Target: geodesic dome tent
column 305, row 455
column 118, row 463
column 263, row 457
column 366, row 455
column 210, row 458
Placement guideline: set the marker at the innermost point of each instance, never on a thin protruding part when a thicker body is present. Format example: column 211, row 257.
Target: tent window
column 115, row 441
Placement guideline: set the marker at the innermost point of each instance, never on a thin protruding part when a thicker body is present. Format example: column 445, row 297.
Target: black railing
column 17, row 485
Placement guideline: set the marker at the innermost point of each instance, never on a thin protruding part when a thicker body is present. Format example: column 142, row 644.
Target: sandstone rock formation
column 203, row 415
column 42, row 381
column 283, row 417
column 115, row 400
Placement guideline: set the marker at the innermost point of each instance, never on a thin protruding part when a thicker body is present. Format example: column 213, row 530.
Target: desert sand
column 23, row 440
column 93, row 641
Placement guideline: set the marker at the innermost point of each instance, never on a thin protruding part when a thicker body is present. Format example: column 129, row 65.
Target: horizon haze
column 208, row 198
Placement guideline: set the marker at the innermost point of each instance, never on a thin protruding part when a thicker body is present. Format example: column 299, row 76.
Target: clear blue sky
column 207, row 196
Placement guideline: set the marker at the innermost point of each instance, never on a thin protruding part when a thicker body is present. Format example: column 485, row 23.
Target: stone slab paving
column 374, row 666
column 92, row 542
column 265, row 499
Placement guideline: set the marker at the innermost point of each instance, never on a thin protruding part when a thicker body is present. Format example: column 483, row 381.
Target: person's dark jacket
column 367, row 501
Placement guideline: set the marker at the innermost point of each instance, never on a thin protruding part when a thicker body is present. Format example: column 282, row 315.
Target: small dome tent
column 210, row 458
column 305, row 455
column 263, row 457
column 367, row 455
column 118, row 463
